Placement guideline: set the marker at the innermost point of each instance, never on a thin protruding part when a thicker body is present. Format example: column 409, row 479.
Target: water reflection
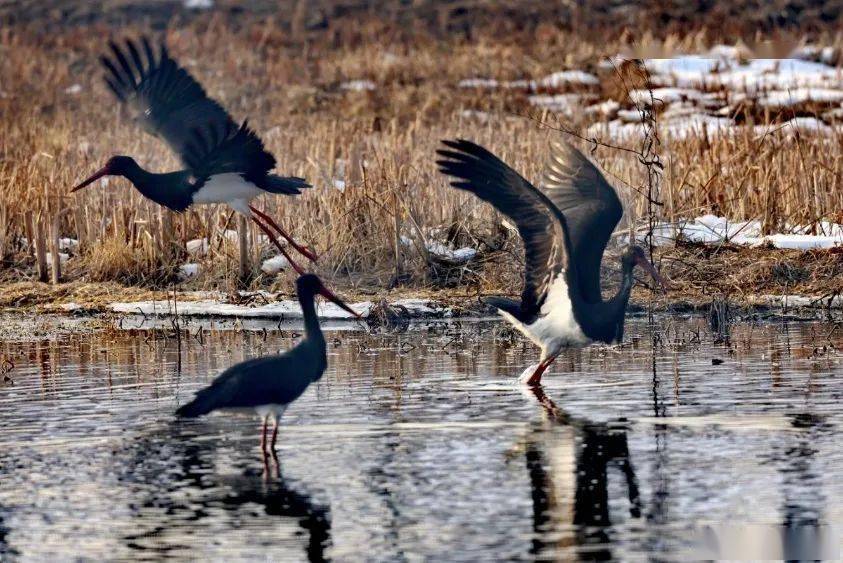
column 191, row 496
column 404, row 450
column 596, row 450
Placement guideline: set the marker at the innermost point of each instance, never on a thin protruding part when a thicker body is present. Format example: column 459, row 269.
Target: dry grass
column 50, row 139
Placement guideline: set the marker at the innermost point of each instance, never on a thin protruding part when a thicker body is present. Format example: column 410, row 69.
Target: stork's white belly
column 271, row 409
column 555, row 327
column 228, row 188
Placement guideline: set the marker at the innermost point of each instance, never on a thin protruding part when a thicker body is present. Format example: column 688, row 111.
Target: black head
column 308, row 285
column 116, row 166
column 637, row 256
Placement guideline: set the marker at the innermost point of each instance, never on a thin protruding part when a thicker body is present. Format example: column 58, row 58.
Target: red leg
column 274, row 240
column 274, row 435
column 304, row 251
column 263, row 435
column 536, row 378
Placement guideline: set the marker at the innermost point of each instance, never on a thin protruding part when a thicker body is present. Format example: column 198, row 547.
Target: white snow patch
column 63, row 257
column 275, row 264
column 785, row 98
column 358, row 86
column 198, row 4
column 188, row 270
column 73, row 90
column 197, row 247
column 562, row 103
column 711, row 229
column 565, row 77
column 70, row 244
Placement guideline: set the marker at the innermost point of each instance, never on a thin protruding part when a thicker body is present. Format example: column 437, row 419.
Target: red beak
column 327, row 294
column 104, row 171
column 650, row 269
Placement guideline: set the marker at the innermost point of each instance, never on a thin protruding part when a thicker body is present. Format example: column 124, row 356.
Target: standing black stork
column 565, row 227
column 225, row 163
column 268, row 385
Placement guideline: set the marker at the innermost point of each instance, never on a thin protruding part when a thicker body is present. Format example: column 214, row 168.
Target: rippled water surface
column 419, row 445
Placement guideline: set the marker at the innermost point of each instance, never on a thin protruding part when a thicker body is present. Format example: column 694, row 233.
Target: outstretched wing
column 591, row 208
column 539, row 223
column 169, row 103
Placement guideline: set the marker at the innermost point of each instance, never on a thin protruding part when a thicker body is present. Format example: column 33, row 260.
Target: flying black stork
column 224, row 162
column 269, row 384
column 565, row 227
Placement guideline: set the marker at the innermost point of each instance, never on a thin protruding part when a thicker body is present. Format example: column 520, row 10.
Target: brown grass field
column 285, row 75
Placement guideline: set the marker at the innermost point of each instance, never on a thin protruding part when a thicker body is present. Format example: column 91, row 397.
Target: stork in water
column 224, row 162
column 565, row 227
column 269, row 384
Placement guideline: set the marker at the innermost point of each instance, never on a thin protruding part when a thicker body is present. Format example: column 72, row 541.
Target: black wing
column 539, row 223
column 591, row 208
column 169, row 103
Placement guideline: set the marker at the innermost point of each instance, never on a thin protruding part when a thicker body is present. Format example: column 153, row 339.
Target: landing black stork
column 268, row 385
column 565, row 227
column 225, row 163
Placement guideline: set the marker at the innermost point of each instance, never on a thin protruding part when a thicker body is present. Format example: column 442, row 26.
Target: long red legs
column 304, row 251
column 536, row 378
column 274, row 435
column 274, row 240
column 263, row 433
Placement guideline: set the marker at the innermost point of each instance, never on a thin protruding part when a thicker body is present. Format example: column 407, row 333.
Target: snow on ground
column 275, row 264
column 711, row 229
column 785, row 98
column 188, row 270
column 443, row 251
column 358, row 85
column 566, row 77
column 561, row 103
column 197, row 247
column 285, row 309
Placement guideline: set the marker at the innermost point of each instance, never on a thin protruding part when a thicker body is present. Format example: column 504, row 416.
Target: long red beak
column 104, row 171
column 664, row 283
column 327, row 294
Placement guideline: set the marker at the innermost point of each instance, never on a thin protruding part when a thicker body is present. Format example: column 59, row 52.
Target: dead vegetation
column 58, row 123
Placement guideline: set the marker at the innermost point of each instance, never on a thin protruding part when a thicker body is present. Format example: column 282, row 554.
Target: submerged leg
column 274, row 434
column 263, row 433
column 303, row 250
column 274, row 240
column 536, row 378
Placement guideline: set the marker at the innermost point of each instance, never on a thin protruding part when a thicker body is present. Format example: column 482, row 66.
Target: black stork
column 269, row 384
column 565, row 227
column 224, row 162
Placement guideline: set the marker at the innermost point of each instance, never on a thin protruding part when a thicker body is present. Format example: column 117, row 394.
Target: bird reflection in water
column 569, row 478
column 198, row 500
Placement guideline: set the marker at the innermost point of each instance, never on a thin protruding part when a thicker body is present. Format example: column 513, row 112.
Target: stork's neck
column 312, row 330
column 621, row 298
column 172, row 190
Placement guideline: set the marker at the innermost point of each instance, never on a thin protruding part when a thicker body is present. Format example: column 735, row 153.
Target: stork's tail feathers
column 284, row 185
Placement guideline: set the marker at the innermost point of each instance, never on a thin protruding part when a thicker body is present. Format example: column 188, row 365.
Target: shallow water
column 419, row 445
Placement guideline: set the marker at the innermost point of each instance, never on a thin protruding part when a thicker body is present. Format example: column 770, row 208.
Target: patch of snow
column 73, row 90
column 211, row 308
column 808, row 124
column 630, row 115
column 197, row 247
column 664, row 95
column 443, row 251
column 489, row 83
column 481, row 116
column 198, row 4
column 785, row 98
column 189, row 270
column 275, row 264
column 562, row 103
column 604, row 108
column 566, row 77
column 70, row 307
column 339, row 184
column 70, row 244
column 711, row 229
column 63, row 257
column 358, row 86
